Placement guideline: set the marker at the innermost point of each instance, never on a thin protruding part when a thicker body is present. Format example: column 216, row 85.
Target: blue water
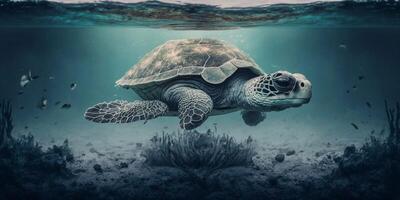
column 333, row 59
column 94, row 44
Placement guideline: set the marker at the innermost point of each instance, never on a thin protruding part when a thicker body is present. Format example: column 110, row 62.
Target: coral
column 192, row 150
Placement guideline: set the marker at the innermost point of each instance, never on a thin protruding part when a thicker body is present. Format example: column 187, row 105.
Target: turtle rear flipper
column 125, row 112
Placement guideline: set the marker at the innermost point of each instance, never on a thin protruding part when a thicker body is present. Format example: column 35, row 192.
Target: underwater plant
column 6, row 125
column 393, row 118
column 202, row 152
column 376, row 163
column 24, row 166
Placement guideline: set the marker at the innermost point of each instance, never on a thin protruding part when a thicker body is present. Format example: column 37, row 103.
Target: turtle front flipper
column 194, row 105
column 125, row 112
column 252, row 118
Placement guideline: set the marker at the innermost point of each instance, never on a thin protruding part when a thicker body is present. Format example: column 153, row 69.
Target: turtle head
column 277, row 91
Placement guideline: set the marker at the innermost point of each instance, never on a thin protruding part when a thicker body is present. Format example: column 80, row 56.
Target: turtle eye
column 277, row 75
column 284, row 83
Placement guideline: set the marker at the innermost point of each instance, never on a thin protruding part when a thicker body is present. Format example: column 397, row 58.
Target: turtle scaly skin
column 196, row 78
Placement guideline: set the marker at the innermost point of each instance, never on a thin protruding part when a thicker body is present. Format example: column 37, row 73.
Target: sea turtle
column 196, row 78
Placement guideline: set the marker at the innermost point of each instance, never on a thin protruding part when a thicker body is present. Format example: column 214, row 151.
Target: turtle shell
column 213, row 60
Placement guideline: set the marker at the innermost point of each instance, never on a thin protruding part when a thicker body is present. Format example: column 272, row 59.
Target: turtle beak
column 303, row 87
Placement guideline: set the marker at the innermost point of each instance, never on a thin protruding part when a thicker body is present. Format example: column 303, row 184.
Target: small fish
column 355, row 126
column 347, row 91
column 51, row 78
column 368, row 104
column 66, row 106
column 21, row 92
column 57, row 103
column 354, row 87
column 26, row 127
column 73, row 86
column 343, row 46
column 21, row 107
column 24, row 80
column 43, row 103
column 44, row 90
column 360, row 77
column 373, row 132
